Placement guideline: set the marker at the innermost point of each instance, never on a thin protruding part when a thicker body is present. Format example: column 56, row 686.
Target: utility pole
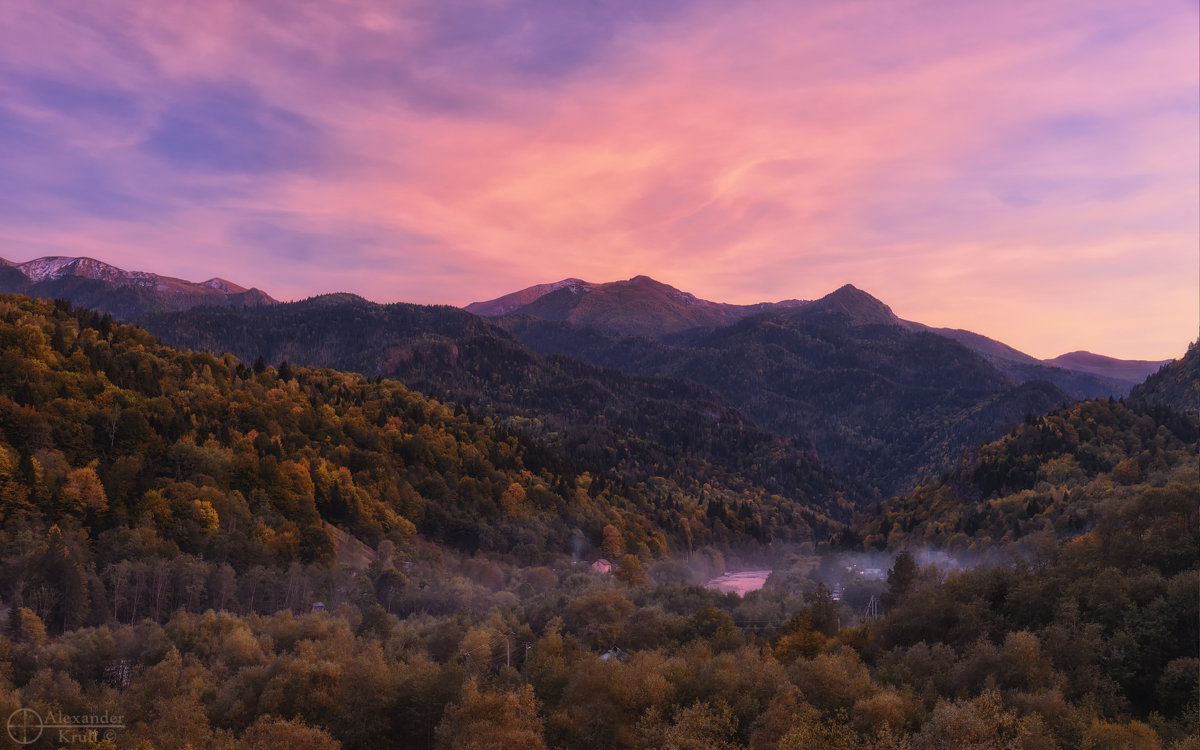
column 872, row 610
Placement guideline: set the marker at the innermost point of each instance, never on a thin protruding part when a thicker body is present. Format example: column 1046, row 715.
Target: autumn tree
column 492, row 721
column 271, row 732
column 630, row 571
column 613, row 543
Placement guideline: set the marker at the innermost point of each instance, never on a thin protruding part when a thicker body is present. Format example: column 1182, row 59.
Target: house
column 602, row 566
column 614, row 654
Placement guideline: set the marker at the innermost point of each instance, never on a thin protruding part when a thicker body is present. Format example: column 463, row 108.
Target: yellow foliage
column 206, row 515
column 85, row 491
column 512, row 498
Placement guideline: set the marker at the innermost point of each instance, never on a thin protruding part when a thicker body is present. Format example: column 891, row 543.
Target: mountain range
column 827, row 400
column 642, row 306
column 125, row 294
column 883, row 403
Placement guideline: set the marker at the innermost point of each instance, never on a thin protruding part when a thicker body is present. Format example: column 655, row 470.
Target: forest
column 797, row 395
column 641, row 427
column 229, row 553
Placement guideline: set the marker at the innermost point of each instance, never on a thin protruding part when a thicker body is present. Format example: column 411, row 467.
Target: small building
column 602, row 566
column 318, row 607
column 614, row 654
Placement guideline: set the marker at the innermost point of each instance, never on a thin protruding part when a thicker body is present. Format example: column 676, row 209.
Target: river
column 741, row 582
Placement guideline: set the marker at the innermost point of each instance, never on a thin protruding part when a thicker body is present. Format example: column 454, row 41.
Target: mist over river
column 740, row 582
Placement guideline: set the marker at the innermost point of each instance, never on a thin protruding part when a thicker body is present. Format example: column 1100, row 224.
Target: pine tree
column 900, row 578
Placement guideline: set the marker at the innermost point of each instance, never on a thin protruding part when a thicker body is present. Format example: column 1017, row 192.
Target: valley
column 608, row 375
column 857, row 529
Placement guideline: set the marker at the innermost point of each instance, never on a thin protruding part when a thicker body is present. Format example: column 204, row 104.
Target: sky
column 1027, row 170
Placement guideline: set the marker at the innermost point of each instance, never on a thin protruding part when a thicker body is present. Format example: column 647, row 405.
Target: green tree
column 824, row 610
column 900, row 578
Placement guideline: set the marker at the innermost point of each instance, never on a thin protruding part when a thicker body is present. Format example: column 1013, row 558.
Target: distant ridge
column 992, row 350
column 1134, row 370
column 509, row 302
column 125, row 294
column 883, row 403
column 640, row 306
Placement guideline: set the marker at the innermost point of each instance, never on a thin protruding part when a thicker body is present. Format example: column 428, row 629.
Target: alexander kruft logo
column 26, row 726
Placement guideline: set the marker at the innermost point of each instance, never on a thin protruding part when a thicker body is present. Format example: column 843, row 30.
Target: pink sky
column 1025, row 170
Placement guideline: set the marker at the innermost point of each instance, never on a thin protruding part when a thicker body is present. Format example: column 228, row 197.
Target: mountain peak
column 55, row 267
column 643, row 280
column 851, row 302
column 509, row 302
column 639, row 306
column 222, row 285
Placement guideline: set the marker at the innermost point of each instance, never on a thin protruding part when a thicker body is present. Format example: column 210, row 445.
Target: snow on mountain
column 123, row 293
column 224, row 286
column 58, row 267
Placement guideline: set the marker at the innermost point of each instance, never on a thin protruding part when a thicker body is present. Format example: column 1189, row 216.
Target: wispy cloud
column 1012, row 168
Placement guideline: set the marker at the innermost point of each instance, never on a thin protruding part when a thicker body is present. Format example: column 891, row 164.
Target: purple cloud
column 226, row 129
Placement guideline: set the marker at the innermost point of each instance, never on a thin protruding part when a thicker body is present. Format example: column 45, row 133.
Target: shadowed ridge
column 509, row 302
column 1135, row 370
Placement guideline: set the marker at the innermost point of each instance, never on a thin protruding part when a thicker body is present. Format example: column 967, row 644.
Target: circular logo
column 24, row 726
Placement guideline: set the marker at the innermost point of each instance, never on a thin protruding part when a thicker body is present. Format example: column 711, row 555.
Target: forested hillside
column 1094, row 511
column 887, row 405
column 135, row 451
column 1056, row 475
column 1176, row 386
column 642, row 427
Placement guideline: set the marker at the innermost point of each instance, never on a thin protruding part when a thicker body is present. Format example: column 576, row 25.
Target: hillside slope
column 1175, row 386
column 103, row 429
column 639, row 427
column 884, row 403
column 1051, row 474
